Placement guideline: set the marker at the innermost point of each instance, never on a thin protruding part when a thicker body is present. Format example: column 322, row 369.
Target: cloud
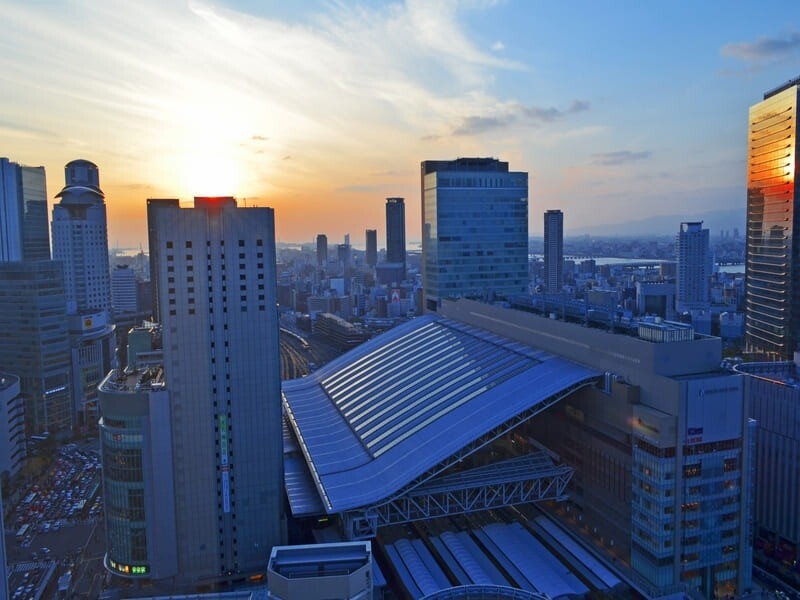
column 498, row 46
column 619, row 157
column 259, row 138
column 515, row 113
column 764, row 48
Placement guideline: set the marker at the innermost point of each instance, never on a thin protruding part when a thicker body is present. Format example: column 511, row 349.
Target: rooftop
column 149, row 378
column 380, row 416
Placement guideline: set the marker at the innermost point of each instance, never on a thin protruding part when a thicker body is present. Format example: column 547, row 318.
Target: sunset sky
column 618, row 109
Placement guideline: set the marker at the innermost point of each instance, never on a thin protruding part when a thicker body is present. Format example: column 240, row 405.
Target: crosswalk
column 30, row 565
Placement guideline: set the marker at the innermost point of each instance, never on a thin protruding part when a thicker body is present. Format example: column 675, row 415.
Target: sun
column 210, row 171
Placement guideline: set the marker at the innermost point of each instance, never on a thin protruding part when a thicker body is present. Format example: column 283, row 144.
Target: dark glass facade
column 772, row 296
column 396, row 231
column 474, row 230
column 124, row 494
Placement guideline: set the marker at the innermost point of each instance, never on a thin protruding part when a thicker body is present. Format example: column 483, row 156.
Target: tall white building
column 214, row 268
column 694, row 267
column 553, row 251
column 123, row 290
column 80, row 242
column 80, row 238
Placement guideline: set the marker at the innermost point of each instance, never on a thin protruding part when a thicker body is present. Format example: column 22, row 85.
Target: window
column 188, row 244
column 169, row 244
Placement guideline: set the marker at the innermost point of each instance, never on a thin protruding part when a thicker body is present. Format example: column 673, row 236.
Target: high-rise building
column 372, row 247
column 322, row 250
column 474, row 229
column 80, row 242
column 553, row 251
column 12, row 425
column 662, row 448
column 396, row 232
column 216, row 281
column 693, row 256
column 23, row 213
column 137, row 458
column 80, row 238
column 773, row 398
column 35, row 342
column 772, row 291
column 123, row 290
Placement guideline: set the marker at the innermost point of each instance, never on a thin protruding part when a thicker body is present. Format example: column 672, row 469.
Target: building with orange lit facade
column 772, row 293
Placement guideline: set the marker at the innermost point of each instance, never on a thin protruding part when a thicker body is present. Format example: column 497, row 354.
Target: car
column 46, row 550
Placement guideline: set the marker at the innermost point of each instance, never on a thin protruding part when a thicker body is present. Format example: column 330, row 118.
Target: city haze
column 321, row 110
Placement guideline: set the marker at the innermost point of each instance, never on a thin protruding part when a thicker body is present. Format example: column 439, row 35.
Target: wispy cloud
column 516, row 113
column 764, row 48
column 620, row 157
column 498, row 46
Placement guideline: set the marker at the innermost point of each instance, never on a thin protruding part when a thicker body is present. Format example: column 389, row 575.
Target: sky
column 618, row 110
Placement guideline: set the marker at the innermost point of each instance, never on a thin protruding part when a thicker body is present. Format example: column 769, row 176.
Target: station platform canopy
column 383, row 416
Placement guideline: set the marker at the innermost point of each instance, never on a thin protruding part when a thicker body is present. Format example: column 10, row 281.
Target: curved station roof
column 379, row 417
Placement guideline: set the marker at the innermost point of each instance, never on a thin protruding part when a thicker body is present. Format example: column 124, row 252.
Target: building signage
column 225, row 468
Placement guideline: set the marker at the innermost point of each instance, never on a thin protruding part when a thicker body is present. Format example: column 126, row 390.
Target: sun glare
column 207, row 172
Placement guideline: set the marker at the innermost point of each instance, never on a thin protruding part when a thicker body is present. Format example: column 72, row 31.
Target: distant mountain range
column 717, row 220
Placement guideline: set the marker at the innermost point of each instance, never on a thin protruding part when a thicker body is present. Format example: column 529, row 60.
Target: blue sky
column 618, row 110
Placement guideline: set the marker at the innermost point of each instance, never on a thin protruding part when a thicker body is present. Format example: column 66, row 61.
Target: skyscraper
column 215, row 272
column 80, row 242
column 693, row 255
column 23, row 213
column 553, row 251
column 322, row 250
column 396, row 232
column 372, row 247
column 123, row 290
column 772, row 291
column 80, row 238
column 474, row 229
column 35, row 344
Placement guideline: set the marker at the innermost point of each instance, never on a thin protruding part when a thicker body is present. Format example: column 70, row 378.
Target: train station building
column 637, row 444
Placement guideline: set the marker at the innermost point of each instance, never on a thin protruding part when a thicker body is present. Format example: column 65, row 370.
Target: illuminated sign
column 223, row 457
column 695, row 435
column 129, row 569
column 226, row 491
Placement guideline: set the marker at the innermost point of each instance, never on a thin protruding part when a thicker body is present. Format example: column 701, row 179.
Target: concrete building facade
column 553, row 251
column 663, row 452
column 694, row 266
column 123, row 290
column 80, row 238
column 216, row 281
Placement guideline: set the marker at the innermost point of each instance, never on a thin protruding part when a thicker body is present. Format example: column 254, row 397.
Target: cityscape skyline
column 504, row 85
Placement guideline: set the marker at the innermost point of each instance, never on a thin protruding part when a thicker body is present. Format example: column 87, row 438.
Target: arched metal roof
column 380, row 416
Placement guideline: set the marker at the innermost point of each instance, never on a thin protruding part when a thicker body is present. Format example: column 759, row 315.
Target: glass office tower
column 772, row 294
column 474, row 230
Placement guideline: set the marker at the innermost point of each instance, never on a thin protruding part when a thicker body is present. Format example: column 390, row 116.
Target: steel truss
column 528, row 478
column 431, row 495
